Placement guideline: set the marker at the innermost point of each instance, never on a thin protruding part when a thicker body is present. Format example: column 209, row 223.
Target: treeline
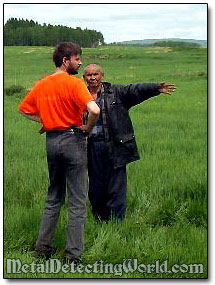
column 175, row 44
column 20, row 32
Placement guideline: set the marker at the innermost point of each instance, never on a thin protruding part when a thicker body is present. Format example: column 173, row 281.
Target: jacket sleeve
column 133, row 94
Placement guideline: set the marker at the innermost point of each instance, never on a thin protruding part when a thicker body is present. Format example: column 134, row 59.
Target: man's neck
column 95, row 90
column 60, row 70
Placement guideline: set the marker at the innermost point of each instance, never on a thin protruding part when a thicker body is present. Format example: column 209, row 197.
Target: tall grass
column 166, row 190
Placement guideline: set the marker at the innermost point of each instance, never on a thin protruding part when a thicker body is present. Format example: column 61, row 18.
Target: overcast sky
column 121, row 22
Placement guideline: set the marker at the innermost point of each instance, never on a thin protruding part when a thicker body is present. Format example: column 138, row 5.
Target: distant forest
column 20, row 32
column 177, row 44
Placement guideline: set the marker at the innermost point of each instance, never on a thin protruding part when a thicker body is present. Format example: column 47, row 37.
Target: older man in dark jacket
column 111, row 143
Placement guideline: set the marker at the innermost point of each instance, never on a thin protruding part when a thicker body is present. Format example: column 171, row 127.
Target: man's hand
column 85, row 129
column 166, row 88
column 34, row 118
column 41, row 130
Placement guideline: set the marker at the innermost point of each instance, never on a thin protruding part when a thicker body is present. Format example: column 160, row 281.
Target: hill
column 152, row 41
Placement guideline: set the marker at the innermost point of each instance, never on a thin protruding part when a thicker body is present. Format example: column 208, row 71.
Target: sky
column 120, row 22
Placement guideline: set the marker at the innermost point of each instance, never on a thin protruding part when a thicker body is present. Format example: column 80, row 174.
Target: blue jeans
column 67, row 164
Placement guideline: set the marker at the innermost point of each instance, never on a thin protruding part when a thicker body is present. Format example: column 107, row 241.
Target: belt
column 70, row 129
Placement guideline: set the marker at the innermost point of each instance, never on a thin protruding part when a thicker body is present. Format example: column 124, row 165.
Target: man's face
column 93, row 76
column 73, row 64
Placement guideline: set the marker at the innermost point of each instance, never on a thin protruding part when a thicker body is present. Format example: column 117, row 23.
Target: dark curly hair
column 65, row 49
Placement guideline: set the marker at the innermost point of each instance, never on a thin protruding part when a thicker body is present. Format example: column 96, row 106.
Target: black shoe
column 44, row 254
column 74, row 260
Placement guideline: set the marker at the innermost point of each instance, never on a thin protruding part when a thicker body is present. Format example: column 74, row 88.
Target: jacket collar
column 107, row 87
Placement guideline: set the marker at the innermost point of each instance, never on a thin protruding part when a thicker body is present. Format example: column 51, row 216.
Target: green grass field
column 167, row 189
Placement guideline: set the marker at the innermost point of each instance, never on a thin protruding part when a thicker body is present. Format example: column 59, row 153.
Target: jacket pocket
column 124, row 138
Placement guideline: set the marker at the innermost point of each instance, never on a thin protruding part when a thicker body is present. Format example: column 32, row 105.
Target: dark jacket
column 118, row 100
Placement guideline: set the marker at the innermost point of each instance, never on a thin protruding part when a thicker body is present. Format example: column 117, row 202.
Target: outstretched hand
column 166, row 88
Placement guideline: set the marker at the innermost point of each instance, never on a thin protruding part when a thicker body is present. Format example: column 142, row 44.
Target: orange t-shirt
column 59, row 100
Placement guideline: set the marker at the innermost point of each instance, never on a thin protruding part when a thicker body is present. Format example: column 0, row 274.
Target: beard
column 72, row 70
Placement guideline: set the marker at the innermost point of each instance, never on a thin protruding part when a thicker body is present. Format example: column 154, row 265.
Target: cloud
column 120, row 22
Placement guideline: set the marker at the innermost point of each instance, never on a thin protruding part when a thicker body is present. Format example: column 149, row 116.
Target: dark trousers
column 67, row 163
column 107, row 186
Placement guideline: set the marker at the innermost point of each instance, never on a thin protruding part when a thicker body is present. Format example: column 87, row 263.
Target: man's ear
column 64, row 59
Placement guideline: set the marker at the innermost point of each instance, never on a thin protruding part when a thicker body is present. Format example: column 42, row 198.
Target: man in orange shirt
column 58, row 102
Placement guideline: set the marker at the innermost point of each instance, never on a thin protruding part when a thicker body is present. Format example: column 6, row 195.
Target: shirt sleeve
column 81, row 95
column 28, row 104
